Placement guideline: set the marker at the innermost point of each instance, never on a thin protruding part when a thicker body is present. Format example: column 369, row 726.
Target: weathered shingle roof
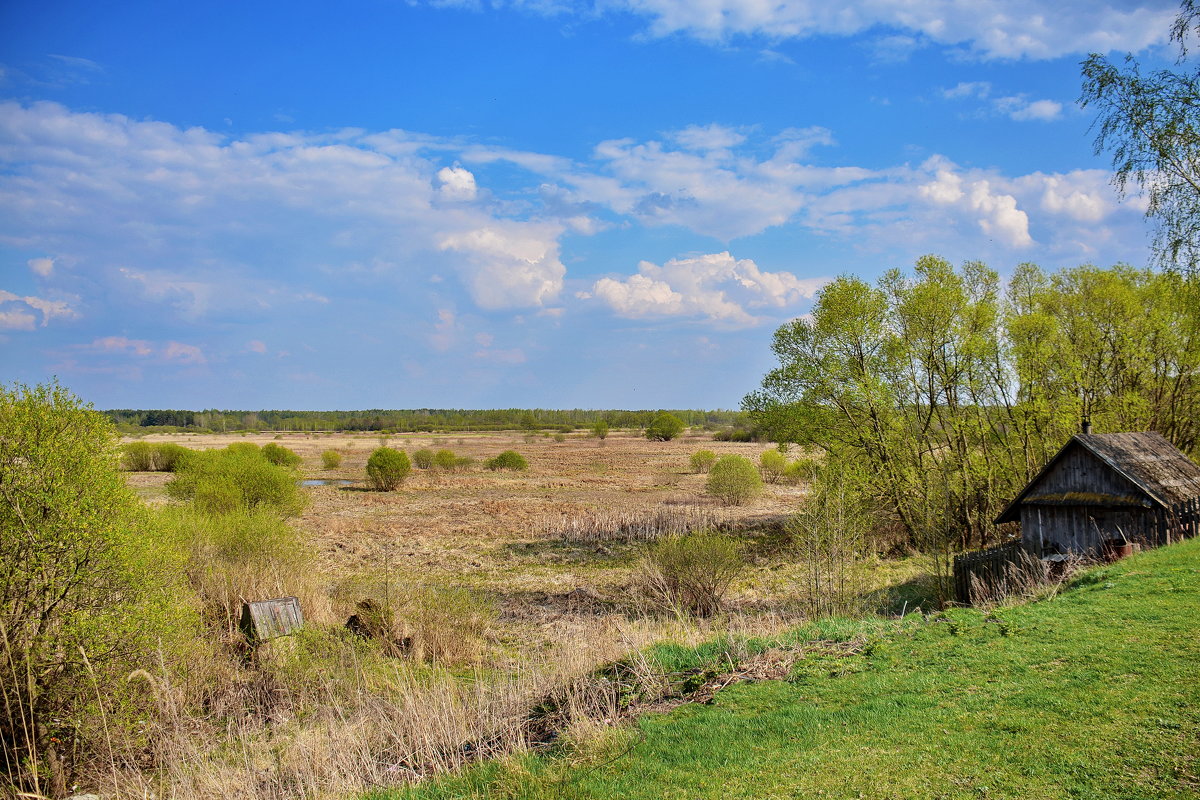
column 1150, row 461
column 1147, row 460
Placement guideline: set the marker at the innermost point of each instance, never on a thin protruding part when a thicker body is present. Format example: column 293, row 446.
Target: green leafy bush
column 423, row 459
column 734, row 480
column 237, row 479
column 444, row 459
column 664, row 427
column 702, row 460
column 600, row 429
column 801, row 470
column 137, row 457
column 147, row 457
column 773, row 465
column 331, row 459
column 509, row 459
column 280, row 456
column 463, row 463
column 85, row 591
column 169, row 457
column 387, row 469
column 690, row 574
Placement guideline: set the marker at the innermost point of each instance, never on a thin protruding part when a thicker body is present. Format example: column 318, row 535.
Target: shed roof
column 1147, row 460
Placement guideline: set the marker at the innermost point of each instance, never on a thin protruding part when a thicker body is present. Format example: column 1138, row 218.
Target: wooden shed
column 1135, row 487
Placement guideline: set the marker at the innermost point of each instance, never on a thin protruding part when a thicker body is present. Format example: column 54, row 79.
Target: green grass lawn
column 1094, row 693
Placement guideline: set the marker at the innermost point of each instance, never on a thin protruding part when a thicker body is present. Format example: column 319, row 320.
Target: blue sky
column 530, row 204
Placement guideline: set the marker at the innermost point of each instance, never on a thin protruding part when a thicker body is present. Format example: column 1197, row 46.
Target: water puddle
column 325, row 482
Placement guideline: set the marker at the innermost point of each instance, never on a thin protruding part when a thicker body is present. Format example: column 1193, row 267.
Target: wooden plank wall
column 990, row 567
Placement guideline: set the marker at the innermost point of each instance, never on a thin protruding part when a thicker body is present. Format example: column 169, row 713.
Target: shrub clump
column 801, row 470
column 238, row 556
column 691, row 573
column 734, row 480
column 773, row 465
column 431, row 622
column 331, row 459
column 237, row 479
column 509, row 459
column 664, row 427
column 280, row 456
column 387, row 469
column 80, row 573
column 137, row 457
column 423, row 459
column 703, row 460
column 444, row 459
column 146, row 457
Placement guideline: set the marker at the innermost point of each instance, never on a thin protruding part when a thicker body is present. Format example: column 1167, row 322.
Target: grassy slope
column 1093, row 694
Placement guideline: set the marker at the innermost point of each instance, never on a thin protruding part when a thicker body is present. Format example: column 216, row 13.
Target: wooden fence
column 1183, row 521
column 990, row 568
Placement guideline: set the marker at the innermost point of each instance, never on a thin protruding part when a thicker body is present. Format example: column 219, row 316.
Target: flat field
column 507, row 534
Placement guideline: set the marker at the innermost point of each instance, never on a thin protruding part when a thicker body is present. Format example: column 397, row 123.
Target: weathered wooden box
column 263, row 620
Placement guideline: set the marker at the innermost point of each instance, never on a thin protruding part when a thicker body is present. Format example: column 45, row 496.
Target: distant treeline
column 411, row 420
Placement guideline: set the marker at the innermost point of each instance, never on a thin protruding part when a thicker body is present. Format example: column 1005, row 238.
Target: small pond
column 325, row 482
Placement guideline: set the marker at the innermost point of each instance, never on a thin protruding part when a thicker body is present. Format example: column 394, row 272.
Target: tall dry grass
column 627, row 526
column 358, row 720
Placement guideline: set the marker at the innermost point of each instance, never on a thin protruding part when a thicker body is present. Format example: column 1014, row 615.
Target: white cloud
column 183, row 353
column 256, row 346
column 120, row 344
column 41, row 266
column 715, row 286
column 708, row 137
column 996, row 213
column 445, row 330
column 510, row 266
column 171, row 351
column 967, row 89
column 17, row 320
column 1023, row 110
column 456, row 184
column 49, row 309
column 987, row 28
column 126, row 192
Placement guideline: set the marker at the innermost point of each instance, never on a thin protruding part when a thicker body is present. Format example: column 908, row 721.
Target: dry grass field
column 505, row 587
column 500, row 532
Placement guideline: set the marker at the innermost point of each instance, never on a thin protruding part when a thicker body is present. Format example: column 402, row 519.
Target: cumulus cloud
column 225, row 214
column 120, row 344
column 17, row 320
column 508, row 266
column 988, row 28
column 967, row 89
column 1024, row 110
column 1016, row 107
column 708, row 137
column 996, row 213
column 41, row 267
column 183, row 353
column 167, row 352
column 126, row 192
column 456, row 184
column 49, row 309
column 716, row 286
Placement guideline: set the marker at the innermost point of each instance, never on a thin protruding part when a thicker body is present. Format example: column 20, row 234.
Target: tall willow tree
column 945, row 393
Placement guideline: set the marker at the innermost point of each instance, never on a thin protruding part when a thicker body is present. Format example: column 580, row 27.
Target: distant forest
column 405, row 421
